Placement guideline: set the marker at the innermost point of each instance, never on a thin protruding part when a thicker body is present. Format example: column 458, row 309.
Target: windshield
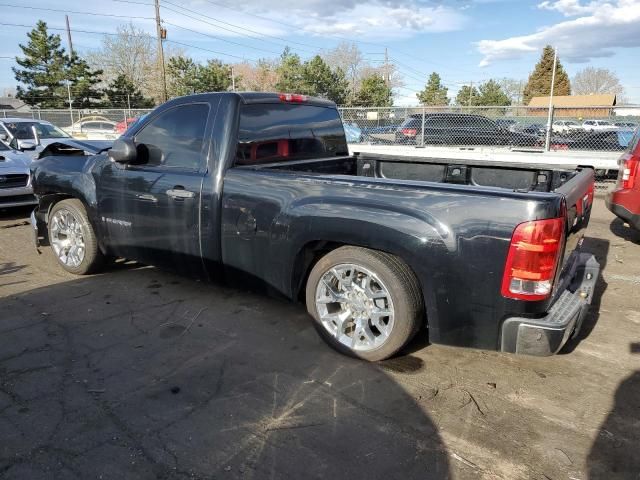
column 3, row 147
column 24, row 130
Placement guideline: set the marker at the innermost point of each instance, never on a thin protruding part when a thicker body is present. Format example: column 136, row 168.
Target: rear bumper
column 631, row 218
column 546, row 336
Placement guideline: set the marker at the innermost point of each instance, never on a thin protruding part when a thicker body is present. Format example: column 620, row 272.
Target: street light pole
column 70, row 101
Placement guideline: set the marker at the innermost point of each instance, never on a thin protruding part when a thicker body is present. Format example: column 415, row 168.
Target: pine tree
column 373, row 92
column 468, row 96
column 318, row 80
column 491, row 93
column 539, row 83
column 122, row 93
column 186, row 76
column 84, row 83
column 434, row 93
column 46, row 70
column 43, row 73
column 290, row 73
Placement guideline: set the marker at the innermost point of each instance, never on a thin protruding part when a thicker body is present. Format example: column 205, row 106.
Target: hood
column 11, row 160
column 74, row 147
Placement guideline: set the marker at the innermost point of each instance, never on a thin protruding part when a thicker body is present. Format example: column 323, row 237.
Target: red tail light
column 293, row 98
column 630, row 171
column 533, row 259
column 409, row 132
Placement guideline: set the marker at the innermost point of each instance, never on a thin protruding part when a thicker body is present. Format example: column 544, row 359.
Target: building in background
column 575, row 106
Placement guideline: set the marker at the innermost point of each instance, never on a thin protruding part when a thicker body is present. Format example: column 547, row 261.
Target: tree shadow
column 142, row 374
column 619, row 229
column 598, row 247
column 615, row 454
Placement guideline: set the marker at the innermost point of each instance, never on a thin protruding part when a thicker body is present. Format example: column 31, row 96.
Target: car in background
column 508, row 124
column 122, row 126
column 353, row 133
column 15, row 178
column 624, row 200
column 566, row 126
column 597, row 125
column 537, row 129
column 93, row 128
column 458, row 129
column 383, row 134
column 632, row 125
column 28, row 134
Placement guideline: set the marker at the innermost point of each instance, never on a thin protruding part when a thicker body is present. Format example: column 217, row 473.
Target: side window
column 175, row 138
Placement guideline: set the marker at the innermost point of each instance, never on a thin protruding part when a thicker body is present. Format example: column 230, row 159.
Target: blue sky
column 463, row 40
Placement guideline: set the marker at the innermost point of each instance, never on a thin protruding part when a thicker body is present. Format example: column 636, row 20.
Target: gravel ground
column 137, row 373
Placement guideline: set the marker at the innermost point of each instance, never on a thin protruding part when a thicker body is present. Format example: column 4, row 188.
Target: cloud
column 598, row 29
column 379, row 19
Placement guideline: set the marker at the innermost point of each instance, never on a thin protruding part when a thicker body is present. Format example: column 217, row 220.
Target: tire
column 87, row 259
column 404, row 300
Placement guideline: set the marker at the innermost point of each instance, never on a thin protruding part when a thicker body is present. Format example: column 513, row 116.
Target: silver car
column 29, row 134
column 15, row 178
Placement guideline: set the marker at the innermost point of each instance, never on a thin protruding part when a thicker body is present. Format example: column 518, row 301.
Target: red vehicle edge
column 624, row 201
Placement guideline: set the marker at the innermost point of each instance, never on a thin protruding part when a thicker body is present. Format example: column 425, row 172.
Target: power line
column 74, row 12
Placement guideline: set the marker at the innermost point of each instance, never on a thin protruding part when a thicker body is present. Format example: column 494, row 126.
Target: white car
column 598, row 126
column 29, row 134
column 565, row 126
column 93, row 128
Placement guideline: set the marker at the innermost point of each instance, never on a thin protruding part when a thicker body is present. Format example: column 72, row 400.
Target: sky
column 463, row 40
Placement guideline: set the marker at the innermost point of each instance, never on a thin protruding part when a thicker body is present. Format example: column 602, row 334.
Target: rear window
column 287, row 132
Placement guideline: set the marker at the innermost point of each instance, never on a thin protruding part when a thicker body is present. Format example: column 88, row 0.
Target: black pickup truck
column 483, row 254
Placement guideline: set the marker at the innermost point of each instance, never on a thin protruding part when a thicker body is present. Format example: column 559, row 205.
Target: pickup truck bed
column 484, row 254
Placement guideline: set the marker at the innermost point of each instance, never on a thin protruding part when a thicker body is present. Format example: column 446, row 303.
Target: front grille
column 16, row 180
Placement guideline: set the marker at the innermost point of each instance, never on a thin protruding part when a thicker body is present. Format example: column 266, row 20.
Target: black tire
column 93, row 258
column 401, row 283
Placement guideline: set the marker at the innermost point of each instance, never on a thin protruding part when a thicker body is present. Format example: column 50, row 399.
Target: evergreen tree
column 320, row 81
column 539, row 83
column 290, row 73
column 84, row 83
column 468, row 96
column 491, row 93
column 373, row 92
column 186, row 77
column 46, row 70
column 434, row 93
column 43, row 73
column 122, row 93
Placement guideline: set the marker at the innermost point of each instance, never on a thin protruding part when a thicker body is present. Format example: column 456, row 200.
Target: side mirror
column 123, row 151
column 26, row 145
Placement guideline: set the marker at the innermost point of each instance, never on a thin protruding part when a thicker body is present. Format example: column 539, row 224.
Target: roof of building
column 575, row 101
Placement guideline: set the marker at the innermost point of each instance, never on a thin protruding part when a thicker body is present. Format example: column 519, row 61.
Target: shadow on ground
column 615, row 451
column 141, row 374
column 621, row 230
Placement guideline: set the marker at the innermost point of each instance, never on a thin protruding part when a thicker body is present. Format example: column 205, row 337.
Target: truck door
column 151, row 210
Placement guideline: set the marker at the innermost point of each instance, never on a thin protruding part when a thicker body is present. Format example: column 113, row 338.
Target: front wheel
column 72, row 238
column 364, row 303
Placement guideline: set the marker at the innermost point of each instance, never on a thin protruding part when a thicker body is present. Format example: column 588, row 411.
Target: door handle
column 180, row 193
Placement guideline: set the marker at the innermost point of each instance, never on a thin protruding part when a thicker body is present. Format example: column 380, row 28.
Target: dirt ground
column 137, row 373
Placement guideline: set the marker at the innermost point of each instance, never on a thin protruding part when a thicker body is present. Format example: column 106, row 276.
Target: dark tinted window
column 282, row 132
column 175, row 138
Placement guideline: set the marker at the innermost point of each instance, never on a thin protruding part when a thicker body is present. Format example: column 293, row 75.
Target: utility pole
column 387, row 80
column 233, row 80
column 160, row 34
column 470, row 93
column 66, row 17
column 547, row 142
column 70, row 102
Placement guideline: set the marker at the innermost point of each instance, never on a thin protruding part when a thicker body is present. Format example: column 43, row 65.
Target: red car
column 122, row 126
column 624, row 201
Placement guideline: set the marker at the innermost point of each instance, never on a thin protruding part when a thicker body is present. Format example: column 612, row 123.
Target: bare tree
column 348, row 57
column 261, row 77
column 590, row 81
column 133, row 54
column 513, row 88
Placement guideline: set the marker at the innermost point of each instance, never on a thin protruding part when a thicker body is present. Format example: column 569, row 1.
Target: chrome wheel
column 67, row 238
column 355, row 307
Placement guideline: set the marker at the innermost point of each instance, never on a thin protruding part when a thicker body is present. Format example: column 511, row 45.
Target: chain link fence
column 574, row 128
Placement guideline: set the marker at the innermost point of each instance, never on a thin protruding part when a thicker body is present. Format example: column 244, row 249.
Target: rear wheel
column 72, row 238
column 364, row 303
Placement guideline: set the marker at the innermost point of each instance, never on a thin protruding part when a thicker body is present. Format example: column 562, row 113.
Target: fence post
column 547, row 139
column 422, row 136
